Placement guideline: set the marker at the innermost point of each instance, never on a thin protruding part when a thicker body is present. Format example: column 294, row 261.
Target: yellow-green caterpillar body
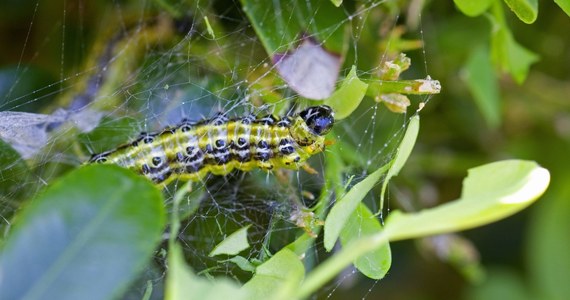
column 219, row 145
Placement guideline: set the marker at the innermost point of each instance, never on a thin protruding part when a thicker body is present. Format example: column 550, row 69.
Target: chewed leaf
column 310, row 70
column 233, row 244
column 490, row 193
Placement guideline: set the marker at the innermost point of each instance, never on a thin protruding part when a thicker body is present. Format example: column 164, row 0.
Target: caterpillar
column 192, row 150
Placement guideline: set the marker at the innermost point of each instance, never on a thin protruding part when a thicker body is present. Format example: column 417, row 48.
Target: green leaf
column 343, row 209
column 109, row 134
column 306, row 41
column 402, row 154
column 233, row 244
column 13, row 172
column 509, row 55
column 526, row 10
column 565, row 5
column 473, row 8
column 549, row 242
column 362, row 222
column 347, row 98
column 279, row 276
column 182, row 284
column 490, row 193
column 336, row 3
column 242, row 263
column 501, row 284
column 87, row 234
column 482, row 83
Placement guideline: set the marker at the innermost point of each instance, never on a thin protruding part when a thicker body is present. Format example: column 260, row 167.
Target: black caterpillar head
column 319, row 119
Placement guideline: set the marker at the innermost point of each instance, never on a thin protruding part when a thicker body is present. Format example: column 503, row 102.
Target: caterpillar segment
column 191, row 150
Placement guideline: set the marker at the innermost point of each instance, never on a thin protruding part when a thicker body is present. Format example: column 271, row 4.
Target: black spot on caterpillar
column 219, row 145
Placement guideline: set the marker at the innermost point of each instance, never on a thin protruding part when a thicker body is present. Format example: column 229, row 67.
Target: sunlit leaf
column 482, row 82
column 362, row 222
column 233, row 244
column 473, row 8
column 526, row 10
column 87, row 234
column 490, row 192
column 278, row 276
column 347, row 98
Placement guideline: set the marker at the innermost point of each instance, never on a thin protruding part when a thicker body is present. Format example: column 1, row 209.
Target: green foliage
column 89, row 233
column 92, row 231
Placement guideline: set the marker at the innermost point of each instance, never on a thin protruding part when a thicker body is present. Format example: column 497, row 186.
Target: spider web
column 125, row 68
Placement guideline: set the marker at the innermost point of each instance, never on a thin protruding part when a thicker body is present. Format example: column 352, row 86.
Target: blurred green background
column 523, row 257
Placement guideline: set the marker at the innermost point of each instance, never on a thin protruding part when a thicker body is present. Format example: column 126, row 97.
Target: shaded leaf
column 13, row 171
column 87, row 234
column 482, row 83
column 509, row 55
column 549, row 243
column 374, row 264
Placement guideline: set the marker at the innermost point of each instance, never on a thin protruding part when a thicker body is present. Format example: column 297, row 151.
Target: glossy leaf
column 87, row 234
column 233, row 244
column 362, row 222
column 278, row 276
column 526, row 10
column 347, row 98
column 482, row 83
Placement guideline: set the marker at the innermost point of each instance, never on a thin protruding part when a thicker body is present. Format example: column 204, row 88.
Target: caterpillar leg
column 309, row 169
